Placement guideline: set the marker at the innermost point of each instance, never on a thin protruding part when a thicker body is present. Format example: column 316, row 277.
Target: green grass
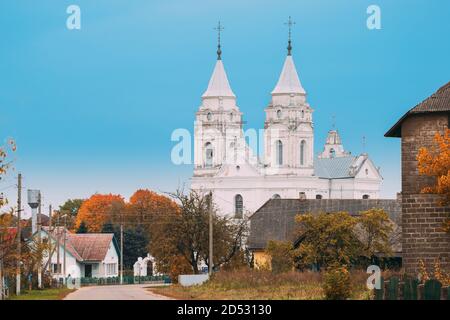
column 46, row 294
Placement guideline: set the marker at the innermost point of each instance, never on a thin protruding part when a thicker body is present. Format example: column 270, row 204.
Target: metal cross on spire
column 219, row 29
column 290, row 23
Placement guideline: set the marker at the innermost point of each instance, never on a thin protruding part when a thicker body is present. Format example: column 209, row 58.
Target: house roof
column 275, row 219
column 85, row 246
column 90, row 246
column 438, row 102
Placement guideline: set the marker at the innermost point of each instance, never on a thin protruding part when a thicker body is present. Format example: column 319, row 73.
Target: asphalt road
column 124, row 292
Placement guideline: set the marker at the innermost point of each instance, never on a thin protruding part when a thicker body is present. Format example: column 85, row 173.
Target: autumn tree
column 185, row 234
column 146, row 206
column 99, row 209
column 435, row 162
column 338, row 238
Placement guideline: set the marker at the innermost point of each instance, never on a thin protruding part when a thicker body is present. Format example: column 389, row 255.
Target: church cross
column 219, row 29
column 290, row 23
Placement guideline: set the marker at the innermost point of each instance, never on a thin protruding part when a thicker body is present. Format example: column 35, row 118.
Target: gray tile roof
column 275, row 220
column 333, row 168
column 437, row 102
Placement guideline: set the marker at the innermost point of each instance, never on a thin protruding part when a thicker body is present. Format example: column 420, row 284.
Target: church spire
column 218, row 84
column 289, row 83
column 219, row 29
column 290, row 23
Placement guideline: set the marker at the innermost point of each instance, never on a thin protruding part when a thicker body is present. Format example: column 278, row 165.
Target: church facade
column 241, row 181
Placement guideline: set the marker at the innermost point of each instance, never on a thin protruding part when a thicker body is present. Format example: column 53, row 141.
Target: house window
column 238, row 206
column 111, row 269
column 56, row 267
column 302, row 152
column 279, row 152
column 209, row 154
column 332, row 153
column 318, row 196
column 366, row 196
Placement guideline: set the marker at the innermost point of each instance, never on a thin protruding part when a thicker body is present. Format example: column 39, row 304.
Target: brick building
column 422, row 216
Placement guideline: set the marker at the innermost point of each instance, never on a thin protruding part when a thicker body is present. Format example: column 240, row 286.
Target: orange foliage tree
column 100, row 209
column 435, row 162
column 144, row 205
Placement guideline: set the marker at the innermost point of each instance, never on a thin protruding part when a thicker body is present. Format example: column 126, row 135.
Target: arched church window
column 279, row 114
column 209, row 116
column 231, row 116
column 366, row 196
column 367, row 172
column 332, row 153
column 302, row 152
column 318, row 196
column 303, row 113
column 276, row 196
column 238, row 206
column 209, row 154
column 279, row 152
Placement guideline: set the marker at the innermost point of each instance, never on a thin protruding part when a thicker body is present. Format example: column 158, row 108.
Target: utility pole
column 19, row 232
column 210, row 264
column 50, row 234
column 121, row 252
column 39, row 221
column 58, row 236
column 64, row 245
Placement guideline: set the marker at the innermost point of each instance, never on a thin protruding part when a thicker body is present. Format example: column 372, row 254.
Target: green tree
column 338, row 238
column 281, row 256
column 82, row 228
column 326, row 239
column 70, row 210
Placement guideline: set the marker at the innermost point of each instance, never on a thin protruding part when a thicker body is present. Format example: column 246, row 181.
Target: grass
column 46, row 294
column 248, row 284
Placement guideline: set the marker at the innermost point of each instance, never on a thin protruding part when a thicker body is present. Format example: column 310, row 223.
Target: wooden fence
column 395, row 288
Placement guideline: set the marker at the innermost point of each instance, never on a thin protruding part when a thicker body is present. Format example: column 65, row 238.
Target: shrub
column 337, row 284
column 281, row 256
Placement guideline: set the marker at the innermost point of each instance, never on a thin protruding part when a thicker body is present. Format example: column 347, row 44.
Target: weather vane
column 219, row 29
column 290, row 23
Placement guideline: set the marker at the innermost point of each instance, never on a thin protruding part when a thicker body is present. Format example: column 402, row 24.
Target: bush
column 337, row 284
column 280, row 256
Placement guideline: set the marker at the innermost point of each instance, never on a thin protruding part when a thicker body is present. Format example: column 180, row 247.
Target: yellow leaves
column 435, row 162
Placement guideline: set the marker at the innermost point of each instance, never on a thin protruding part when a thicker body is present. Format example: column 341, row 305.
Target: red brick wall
column 422, row 216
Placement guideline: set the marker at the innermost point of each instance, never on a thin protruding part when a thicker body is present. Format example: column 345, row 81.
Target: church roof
column 289, row 81
column 218, row 84
column 438, row 102
column 333, row 168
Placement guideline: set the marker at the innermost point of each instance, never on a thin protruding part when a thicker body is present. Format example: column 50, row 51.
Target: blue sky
column 92, row 110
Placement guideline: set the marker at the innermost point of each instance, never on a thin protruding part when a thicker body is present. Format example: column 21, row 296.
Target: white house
column 90, row 255
column 241, row 182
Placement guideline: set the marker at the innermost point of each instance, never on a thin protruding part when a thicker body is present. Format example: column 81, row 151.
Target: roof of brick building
column 437, row 102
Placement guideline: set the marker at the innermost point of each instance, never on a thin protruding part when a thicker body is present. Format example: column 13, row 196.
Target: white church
column 241, row 182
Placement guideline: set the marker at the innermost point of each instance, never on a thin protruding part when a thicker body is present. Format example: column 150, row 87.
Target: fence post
column 379, row 293
column 392, row 289
column 432, row 290
column 410, row 289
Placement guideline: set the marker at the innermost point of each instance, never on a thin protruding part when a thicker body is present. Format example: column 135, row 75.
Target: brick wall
column 422, row 216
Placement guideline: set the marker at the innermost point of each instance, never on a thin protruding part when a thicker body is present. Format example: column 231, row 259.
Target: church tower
column 288, row 129
column 218, row 134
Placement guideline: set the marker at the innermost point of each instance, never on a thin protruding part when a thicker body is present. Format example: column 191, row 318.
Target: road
column 125, row 292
